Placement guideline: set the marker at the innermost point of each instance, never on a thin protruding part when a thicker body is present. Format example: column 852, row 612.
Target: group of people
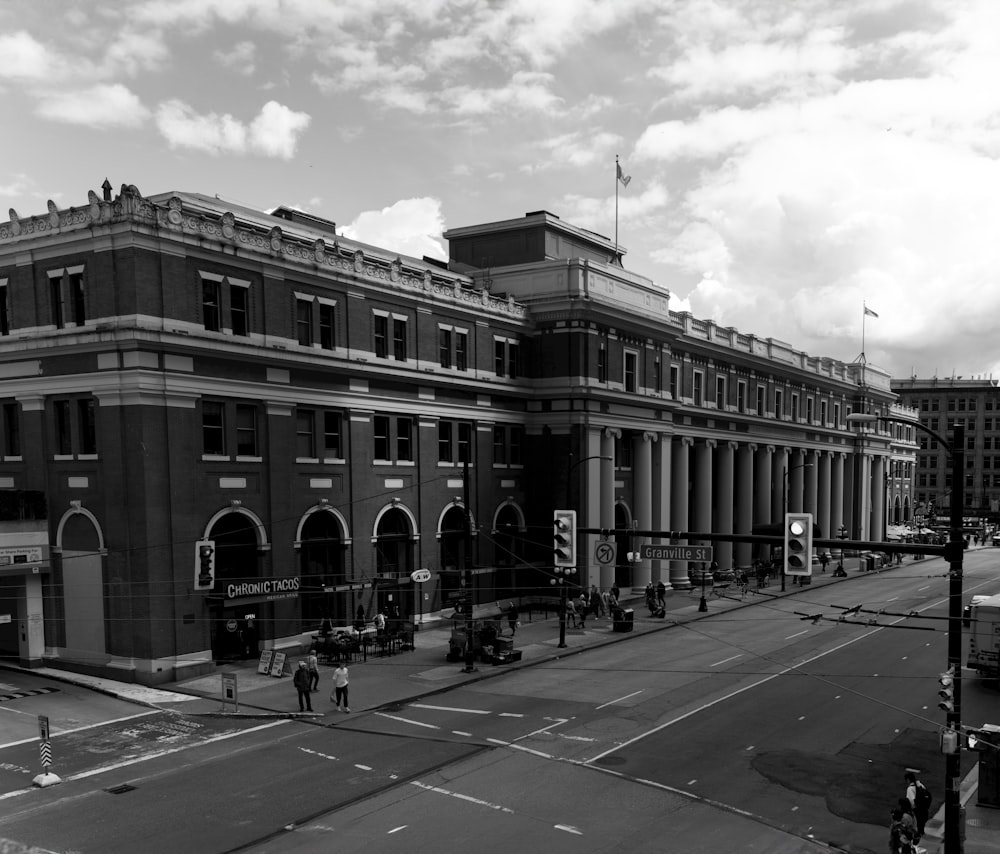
column 306, row 682
column 656, row 599
column 909, row 816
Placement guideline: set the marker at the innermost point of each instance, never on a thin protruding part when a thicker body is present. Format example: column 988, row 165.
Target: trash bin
column 869, row 563
column 624, row 620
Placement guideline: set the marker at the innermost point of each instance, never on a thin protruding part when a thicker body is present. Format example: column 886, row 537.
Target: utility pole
column 470, row 651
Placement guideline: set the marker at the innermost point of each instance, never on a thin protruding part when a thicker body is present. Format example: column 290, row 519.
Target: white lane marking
column 612, row 702
column 893, row 599
column 397, row 829
column 459, row 732
column 731, row 658
column 362, row 767
column 544, row 730
column 804, row 631
column 55, row 731
column 317, row 753
column 531, row 750
column 802, row 717
column 406, row 720
column 568, row 829
column 510, row 715
column 450, row 709
column 498, row 741
column 925, row 587
column 574, row 737
column 736, row 693
column 692, row 782
column 83, row 775
column 478, row 801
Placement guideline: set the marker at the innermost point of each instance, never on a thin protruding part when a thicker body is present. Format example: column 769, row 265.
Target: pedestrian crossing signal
column 798, row 543
column 564, row 538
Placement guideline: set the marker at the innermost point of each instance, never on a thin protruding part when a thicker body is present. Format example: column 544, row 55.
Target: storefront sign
column 269, row 588
column 26, row 554
column 264, row 665
column 420, row 575
column 278, row 664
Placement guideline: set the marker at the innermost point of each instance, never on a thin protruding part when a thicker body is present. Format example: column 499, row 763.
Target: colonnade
column 725, row 486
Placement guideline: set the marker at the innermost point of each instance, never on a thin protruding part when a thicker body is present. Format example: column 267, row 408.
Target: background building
column 328, row 417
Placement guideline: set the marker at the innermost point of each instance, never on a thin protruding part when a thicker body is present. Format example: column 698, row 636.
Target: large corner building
column 329, row 417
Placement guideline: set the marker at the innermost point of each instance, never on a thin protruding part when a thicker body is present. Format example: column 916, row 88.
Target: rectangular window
column 210, row 310
column 464, row 442
column 602, row 364
column 327, row 336
column 303, row 322
column 796, row 412
column 697, row 390
column 506, row 358
column 761, row 391
column 823, row 412
column 11, row 430
column 64, row 436
column 333, row 433
column 74, row 283
column 631, row 369
column 213, row 428
column 381, row 331
column 399, row 339
column 499, row 446
column 461, row 350
column 239, row 309
column 675, row 375
column 720, row 392
column 445, row 454
column 499, row 356
column 779, row 403
column 87, row 413
column 305, row 434
column 380, row 435
column 246, row 430
column 444, row 347
column 516, row 445
column 836, row 415
column 741, row 396
column 56, row 291
column 404, row 439
column 809, row 410
column 513, row 359
column 657, row 375
column 4, row 308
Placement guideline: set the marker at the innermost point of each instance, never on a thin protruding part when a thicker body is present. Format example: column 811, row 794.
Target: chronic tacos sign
column 268, row 588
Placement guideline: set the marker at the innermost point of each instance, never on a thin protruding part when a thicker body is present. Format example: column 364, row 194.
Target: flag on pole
column 869, row 312
column 622, row 176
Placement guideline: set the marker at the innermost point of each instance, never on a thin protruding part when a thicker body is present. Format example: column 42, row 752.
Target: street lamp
column 784, row 503
column 951, row 737
column 842, row 534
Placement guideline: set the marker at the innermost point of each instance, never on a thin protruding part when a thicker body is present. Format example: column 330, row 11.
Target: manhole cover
column 120, row 790
column 610, row 760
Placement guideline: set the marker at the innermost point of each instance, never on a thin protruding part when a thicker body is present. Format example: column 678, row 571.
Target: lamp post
column 951, row 737
column 784, row 506
column 842, row 534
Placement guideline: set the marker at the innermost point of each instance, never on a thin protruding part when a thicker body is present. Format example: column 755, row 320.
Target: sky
column 790, row 162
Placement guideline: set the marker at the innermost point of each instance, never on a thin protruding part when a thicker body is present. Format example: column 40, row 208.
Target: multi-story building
column 322, row 418
column 942, row 404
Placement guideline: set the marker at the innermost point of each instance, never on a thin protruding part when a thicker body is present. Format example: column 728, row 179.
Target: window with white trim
column 508, row 444
column 761, row 405
column 741, row 396
column 779, row 403
column 67, row 297
column 11, row 412
column 506, row 357
column 392, row 432
column 453, row 347
column 697, row 386
column 720, row 392
column 631, row 370
column 4, row 308
column 675, row 381
column 454, row 441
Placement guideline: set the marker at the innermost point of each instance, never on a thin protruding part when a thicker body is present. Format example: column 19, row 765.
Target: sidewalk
column 408, row 676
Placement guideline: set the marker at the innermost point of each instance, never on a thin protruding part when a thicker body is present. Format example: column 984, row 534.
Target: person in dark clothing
column 661, row 594
column 512, row 616
column 301, row 682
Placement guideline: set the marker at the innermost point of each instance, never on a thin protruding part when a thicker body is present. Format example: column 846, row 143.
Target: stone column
column 877, row 487
column 744, row 487
column 723, row 477
column 779, row 465
column 811, row 476
column 31, row 626
column 661, row 502
column 680, row 512
column 824, row 494
column 701, row 486
column 608, row 436
column 642, row 450
column 796, row 481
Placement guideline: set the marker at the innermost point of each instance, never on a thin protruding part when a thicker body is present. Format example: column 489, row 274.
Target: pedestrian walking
column 661, row 594
column 301, row 682
column 571, row 612
column 744, row 583
column 596, row 603
column 616, row 593
column 582, row 606
column 919, row 798
column 606, row 603
column 824, row 559
column 312, row 665
column 340, row 681
column 512, row 616
column 900, row 839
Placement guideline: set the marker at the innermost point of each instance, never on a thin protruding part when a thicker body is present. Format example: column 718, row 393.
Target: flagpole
column 864, row 316
column 617, row 173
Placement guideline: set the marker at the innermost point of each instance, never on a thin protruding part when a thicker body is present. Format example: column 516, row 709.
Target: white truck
column 984, row 636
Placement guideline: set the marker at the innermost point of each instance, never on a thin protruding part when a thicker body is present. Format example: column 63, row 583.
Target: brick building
column 325, row 416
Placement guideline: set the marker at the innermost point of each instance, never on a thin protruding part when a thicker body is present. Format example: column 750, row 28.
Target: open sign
column 420, row 575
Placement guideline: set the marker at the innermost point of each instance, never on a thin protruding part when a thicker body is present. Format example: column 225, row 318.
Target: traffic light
column 947, row 691
column 204, row 569
column 798, row 543
column 564, row 537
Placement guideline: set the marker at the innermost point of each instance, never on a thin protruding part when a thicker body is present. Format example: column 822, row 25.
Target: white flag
column 622, row 176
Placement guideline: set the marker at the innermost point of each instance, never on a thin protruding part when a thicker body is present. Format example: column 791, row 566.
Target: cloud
column 25, row 58
column 579, row 149
column 410, row 226
column 100, row 106
column 241, row 57
column 274, row 132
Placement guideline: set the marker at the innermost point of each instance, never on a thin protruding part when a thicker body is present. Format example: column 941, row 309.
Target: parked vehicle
column 984, row 636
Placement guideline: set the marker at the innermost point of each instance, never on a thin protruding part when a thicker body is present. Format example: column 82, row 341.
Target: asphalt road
column 752, row 731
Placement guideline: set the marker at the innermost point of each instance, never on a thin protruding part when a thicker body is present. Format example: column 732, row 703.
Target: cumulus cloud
column 26, row 58
column 274, row 132
column 410, row 226
column 240, row 57
column 98, row 106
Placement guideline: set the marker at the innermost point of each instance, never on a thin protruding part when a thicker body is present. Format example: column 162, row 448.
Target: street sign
column 690, row 553
column 43, row 727
column 605, row 552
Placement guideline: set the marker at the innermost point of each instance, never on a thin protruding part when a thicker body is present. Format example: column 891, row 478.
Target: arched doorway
column 394, row 564
column 507, row 551
column 322, row 563
column 235, row 632
column 451, row 541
